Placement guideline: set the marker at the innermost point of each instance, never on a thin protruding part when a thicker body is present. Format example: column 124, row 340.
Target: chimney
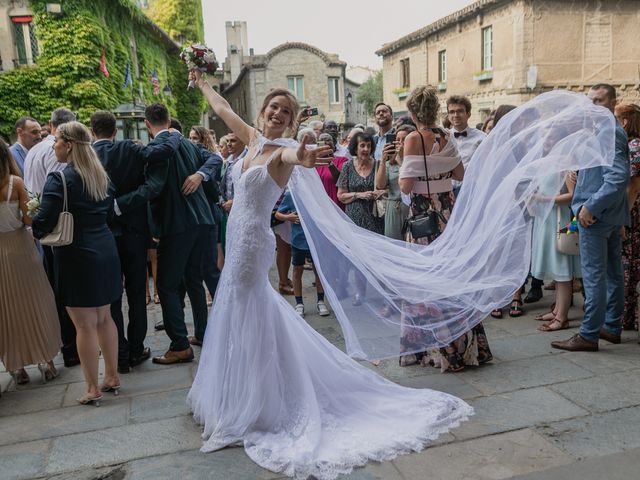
column 237, row 47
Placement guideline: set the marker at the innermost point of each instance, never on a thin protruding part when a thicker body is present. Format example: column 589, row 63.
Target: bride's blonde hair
column 294, row 106
column 84, row 160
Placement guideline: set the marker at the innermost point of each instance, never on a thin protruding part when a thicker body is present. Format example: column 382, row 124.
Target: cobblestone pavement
column 541, row 414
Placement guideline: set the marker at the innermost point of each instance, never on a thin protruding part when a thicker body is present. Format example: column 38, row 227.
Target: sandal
column 545, row 317
column 515, row 310
column 406, row 360
column 497, row 313
column 554, row 325
column 285, row 289
column 156, row 299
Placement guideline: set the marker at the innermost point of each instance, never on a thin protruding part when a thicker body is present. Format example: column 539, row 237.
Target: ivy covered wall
column 182, row 19
column 66, row 73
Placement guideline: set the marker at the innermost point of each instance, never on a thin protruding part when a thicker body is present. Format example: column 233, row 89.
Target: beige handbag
column 566, row 243
column 63, row 232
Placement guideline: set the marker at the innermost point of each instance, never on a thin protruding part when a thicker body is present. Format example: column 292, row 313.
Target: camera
column 311, row 111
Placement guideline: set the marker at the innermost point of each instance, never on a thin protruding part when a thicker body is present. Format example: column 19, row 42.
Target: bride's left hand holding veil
column 313, row 157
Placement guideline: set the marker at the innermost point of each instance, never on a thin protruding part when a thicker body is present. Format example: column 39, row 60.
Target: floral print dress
column 470, row 349
column 631, row 249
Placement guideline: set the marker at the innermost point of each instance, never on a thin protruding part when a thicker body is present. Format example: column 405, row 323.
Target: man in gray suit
column 601, row 206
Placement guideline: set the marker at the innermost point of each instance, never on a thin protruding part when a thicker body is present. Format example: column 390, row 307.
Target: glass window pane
column 19, row 41
column 299, row 88
column 34, row 42
column 290, row 84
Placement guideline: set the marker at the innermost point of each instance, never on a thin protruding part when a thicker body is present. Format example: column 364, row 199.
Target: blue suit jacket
column 603, row 190
column 18, row 156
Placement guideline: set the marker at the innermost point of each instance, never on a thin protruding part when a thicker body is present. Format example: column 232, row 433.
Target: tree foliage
column 66, row 73
column 181, row 19
column 370, row 92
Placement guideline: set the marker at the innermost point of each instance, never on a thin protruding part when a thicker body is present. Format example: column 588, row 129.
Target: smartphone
column 390, row 138
column 311, row 111
column 323, row 143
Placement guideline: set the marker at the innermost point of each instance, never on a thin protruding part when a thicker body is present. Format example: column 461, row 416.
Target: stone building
column 18, row 43
column 315, row 77
column 508, row 51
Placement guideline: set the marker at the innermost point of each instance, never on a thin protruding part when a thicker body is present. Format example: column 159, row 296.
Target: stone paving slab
column 61, row 421
column 25, row 401
column 528, row 346
column 227, row 464
column 116, row 445
column 610, row 358
column 498, row 377
column 451, row 384
column 604, row 392
column 155, row 406
column 619, row 466
column 517, row 410
column 23, row 460
column 491, row 458
column 596, row 435
column 175, row 378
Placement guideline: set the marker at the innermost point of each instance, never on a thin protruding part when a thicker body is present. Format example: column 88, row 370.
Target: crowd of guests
column 160, row 211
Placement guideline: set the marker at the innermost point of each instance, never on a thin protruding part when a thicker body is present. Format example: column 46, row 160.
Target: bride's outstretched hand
column 314, row 157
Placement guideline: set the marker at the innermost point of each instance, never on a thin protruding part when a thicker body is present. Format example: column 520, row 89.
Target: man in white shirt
column 39, row 162
column 28, row 132
column 465, row 138
column 41, row 159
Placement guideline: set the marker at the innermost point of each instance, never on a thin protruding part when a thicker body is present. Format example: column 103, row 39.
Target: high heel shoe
column 20, row 376
column 115, row 389
column 86, row 399
column 47, row 371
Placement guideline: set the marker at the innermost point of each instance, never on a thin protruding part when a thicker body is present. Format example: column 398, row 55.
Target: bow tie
column 460, row 134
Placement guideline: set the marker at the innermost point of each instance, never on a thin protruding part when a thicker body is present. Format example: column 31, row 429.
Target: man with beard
column 384, row 119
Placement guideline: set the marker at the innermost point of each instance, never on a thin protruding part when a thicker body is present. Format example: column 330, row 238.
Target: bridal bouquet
column 199, row 57
column 33, row 205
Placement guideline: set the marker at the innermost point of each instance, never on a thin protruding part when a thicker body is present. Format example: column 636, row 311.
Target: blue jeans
column 603, row 280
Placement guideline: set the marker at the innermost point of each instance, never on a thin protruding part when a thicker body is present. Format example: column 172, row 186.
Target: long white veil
column 430, row 295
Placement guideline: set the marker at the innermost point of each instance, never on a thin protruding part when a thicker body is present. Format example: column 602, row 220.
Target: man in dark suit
column 125, row 163
column 179, row 222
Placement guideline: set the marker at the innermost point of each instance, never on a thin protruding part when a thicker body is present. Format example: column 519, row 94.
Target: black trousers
column 180, row 259
column 132, row 250
column 210, row 271
column 67, row 329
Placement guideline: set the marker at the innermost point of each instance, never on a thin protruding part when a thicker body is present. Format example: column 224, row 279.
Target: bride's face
column 277, row 116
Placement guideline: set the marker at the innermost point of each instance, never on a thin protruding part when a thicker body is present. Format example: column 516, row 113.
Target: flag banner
column 127, row 76
column 103, row 64
column 155, row 82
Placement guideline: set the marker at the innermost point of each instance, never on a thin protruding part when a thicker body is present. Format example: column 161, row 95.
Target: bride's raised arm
column 222, row 108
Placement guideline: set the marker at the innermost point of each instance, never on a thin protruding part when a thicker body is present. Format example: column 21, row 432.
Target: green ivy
column 67, row 75
column 182, row 19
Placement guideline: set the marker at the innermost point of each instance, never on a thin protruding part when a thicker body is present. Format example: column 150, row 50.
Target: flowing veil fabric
column 436, row 293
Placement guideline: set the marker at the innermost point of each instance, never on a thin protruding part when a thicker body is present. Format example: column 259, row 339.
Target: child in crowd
column 299, row 253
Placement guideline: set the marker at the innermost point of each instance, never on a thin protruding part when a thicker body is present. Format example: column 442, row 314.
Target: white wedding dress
column 270, row 382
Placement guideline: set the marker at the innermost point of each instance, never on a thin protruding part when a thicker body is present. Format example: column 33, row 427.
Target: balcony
column 483, row 75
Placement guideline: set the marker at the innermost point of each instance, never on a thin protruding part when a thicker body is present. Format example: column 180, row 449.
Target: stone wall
column 543, row 44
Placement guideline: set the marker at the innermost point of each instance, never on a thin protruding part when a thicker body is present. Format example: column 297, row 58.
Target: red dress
column 327, row 179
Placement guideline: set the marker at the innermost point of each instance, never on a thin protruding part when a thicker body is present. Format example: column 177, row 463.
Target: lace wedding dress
column 270, row 382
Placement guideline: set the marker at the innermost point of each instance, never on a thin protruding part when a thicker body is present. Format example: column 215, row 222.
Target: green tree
column 181, row 19
column 370, row 92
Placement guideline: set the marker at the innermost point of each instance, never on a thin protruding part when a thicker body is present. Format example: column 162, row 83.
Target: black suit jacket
column 125, row 162
column 171, row 211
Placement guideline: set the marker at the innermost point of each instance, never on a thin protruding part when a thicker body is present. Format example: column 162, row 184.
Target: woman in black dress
column 89, row 279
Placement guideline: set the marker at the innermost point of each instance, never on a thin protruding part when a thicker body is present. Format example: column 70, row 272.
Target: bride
column 266, row 379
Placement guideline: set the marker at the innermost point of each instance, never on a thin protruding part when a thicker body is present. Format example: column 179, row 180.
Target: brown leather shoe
column 609, row 337
column 576, row 344
column 193, row 340
column 171, row 357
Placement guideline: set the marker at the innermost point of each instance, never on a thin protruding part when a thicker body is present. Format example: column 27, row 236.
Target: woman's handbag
column 62, row 234
column 426, row 224
column 379, row 206
column 567, row 242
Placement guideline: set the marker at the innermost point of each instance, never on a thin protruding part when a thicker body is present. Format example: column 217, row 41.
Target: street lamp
column 349, row 98
column 166, row 91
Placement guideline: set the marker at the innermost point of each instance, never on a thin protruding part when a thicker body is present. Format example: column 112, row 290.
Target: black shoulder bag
column 427, row 222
